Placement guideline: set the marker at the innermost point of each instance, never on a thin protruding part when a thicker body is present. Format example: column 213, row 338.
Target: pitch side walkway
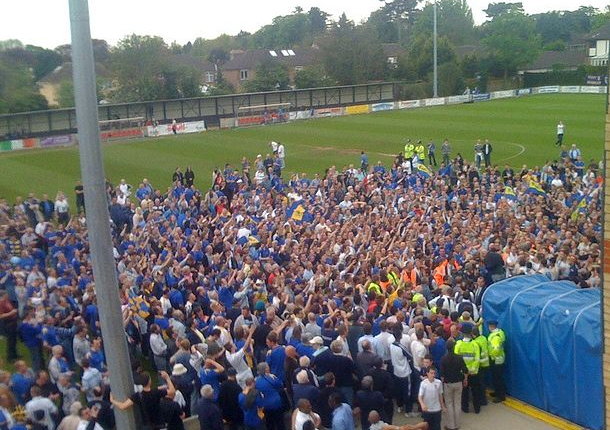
column 492, row 416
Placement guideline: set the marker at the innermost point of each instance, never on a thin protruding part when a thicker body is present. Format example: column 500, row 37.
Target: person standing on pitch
column 560, row 130
column 432, row 153
column 487, row 148
column 446, row 151
column 496, row 339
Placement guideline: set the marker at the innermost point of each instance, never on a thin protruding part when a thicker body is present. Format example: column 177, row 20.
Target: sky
column 46, row 22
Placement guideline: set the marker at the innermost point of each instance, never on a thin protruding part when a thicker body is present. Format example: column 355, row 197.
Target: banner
column 439, row 101
column 480, row 97
column 67, row 140
column 327, row 112
column 378, row 107
column 570, row 89
column 464, row 98
column 6, row 146
column 409, row 104
column 227, row 122
column 597, row 80
column 181, row 127
column 502, row 94
column 356, row 110
column 302, row 114
column 592, row 90
column 16, row 144
column 122, row 133
column 524, row 91
column 548, row 90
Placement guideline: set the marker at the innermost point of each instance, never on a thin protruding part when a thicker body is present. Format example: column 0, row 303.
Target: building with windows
column 599, row 46
column 242, row 65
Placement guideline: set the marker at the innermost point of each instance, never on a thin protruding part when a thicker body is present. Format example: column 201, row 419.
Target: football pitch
column 522, row 131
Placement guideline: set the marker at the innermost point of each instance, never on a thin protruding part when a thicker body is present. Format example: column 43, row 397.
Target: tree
column 18, row 91
column 450, row 79
column 386, row 30
column 312, row 77
column 402, row 14
column 421, row 57
column 512, row 41
column 269, row 76
column 454, row 20
column 600, row 19
column 352, row 55
column 317, row 21
column 495, row 10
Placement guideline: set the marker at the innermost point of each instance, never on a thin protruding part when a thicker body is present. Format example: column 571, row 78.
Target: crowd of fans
column 268, row 294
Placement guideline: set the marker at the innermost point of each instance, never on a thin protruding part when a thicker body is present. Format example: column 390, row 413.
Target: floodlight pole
column 96, row 204
column 435, row 79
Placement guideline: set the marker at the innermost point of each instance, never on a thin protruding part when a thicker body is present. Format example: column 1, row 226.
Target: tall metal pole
column 96, row 204
column 435, row 79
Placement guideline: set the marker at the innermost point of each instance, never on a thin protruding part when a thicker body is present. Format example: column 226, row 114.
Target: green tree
column 600, row 19
column 269, row 76
column 450, row 79
column 386, row 30
column 512, row 41
column 312, row 77
column 317, row 21
column 421, row 57
column 495, row 10
column 352, row 55
column 454, row 20
column 402, row 14
column 221, row 87
column 18, row 91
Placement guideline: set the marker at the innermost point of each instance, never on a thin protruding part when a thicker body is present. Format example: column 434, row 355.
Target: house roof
column 548, row 59
column 64, row 73
column 393, row 49
column 197, row 62
column 252, row 58
column 602, row 33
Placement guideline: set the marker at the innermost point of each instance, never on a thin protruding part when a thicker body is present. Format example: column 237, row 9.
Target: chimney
column 235, row 52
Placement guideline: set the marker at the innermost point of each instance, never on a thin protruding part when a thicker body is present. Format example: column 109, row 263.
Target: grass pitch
column 521, row 130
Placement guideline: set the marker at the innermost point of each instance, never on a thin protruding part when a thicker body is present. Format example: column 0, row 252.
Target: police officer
column 496, row 341
column 483, row 361
column 409, row 152
column 421, row 152
column 471, row 353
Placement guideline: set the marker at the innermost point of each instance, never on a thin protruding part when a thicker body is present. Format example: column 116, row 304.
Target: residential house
column 208, row 70
column 600, row 45
column 548, row 61
column 242, row 65
column 50, row 84
column 392, row 52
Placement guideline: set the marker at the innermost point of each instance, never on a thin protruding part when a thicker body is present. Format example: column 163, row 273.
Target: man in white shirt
column 560, row 131
column 402, row 370
column 381, row 342
column 281, row 153
column 40, row 410
column 431, row 400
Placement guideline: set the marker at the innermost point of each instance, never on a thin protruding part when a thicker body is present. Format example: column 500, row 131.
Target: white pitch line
column 514, row 156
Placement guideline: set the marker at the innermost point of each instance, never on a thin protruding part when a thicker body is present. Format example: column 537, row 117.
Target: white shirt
column 157, row 344
column 83, row 426
column 41, row 404
column 560, row 128
column 281, row 152
column 274, row 146
column 61, row 206
column 419, row 351
column 302, row 418
column 239, row 364
column 381, row 345
column 399, row 362
column 431, row 393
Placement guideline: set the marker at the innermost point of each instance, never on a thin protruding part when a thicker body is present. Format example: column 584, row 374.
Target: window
column 298, row 68
column 393, row 60
column 243, row 75
column 285, row 53
column 291, row 53
column 273, row 53
column 210, row 77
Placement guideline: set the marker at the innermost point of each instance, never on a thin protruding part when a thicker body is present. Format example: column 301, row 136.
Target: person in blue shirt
column 364, row 162
column 31, row 335
column 270, row 386
column 21, row 381
column 250, row 400
column 343, row 418
column 210, row 375
column 276, row 355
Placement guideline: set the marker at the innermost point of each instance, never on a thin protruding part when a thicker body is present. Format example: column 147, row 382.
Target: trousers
column 453, row 401
column 476, row 388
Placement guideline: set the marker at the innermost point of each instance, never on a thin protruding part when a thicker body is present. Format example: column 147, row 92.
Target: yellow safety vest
column 393, row 277
column 482, row 342
column 496, row 341
column 374, row 287
column 471, row 353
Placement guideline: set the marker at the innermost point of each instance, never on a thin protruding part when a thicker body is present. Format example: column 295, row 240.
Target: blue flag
column 298, row 212
column 535, row 188
column 422, row 170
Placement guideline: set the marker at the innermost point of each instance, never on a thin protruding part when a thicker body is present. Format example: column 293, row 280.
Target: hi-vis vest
column 482, row 342
column 421, row 152
column 471, row 353
column 496, row 341
column 393, row 278
column 409, row 150
column 374, row 287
